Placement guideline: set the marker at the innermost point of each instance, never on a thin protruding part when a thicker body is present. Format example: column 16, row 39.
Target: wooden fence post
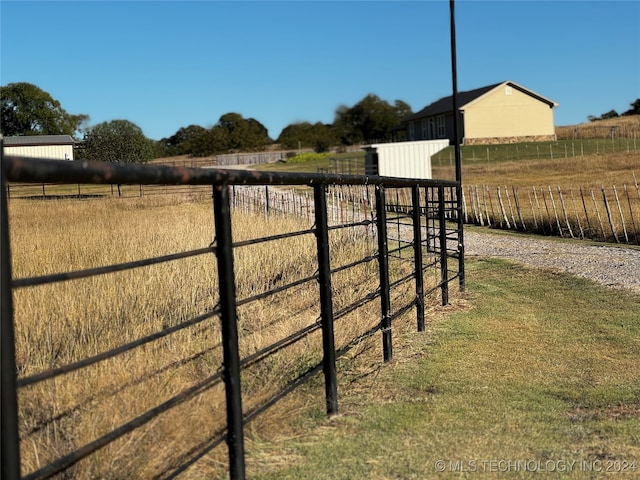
column 555, row 212
column 504, row 213
column 575, row 211
column 546, row 207
column 480, row 216
column 595, row 204
column 513, row 219
column 633, row 223
column 586, row 213
column 606, row 206
column 564, row 211
column 474, row 211
column 535, row 194
column 484, row 202
column 464, row 204
column 515, row 197
column 624, row 226
column 533, row 213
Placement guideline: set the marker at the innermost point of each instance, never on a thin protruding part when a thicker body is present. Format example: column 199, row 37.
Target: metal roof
column 33, row 140
column 445, row 105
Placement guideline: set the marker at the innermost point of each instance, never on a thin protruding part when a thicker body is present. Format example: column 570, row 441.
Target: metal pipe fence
column 426, row 225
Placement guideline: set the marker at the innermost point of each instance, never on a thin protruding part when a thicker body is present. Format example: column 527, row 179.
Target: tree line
column 29, row 110
column 634, row 110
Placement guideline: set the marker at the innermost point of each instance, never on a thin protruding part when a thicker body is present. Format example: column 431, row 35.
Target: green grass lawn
column 533, row 372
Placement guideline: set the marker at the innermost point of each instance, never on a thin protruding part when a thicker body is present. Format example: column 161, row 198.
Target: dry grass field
column 593, row 171
column 65, row 322
column 627, row 126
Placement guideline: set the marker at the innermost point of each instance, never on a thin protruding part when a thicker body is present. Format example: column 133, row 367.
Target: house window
column 441, row 127
column 424, row 128
column 412, row 135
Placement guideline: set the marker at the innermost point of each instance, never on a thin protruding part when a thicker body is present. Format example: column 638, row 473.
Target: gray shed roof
column 33, row 140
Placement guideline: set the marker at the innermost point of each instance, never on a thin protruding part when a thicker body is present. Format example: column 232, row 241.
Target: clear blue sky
column 166, row 65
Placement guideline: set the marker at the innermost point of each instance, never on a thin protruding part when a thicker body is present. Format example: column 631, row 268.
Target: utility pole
column 456, row 143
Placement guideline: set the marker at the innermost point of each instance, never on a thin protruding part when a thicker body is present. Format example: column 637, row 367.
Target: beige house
column 58, row 147
column 501, row 113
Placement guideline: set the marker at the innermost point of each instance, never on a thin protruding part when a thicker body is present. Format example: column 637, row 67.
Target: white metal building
column 58, row 147
column 402, row 159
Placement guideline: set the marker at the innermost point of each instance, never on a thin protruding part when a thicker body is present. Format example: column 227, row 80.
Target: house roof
column 445, row 105
column 33, row 140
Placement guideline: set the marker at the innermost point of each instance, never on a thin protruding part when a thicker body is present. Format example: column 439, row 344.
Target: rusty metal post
column 383, row 264
column 417, row 256
column 229, row 319
column 444, row 280
column 10, row 449
column 326, row 301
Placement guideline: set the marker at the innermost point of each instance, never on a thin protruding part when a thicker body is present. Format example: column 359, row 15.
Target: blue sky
column 169, row 64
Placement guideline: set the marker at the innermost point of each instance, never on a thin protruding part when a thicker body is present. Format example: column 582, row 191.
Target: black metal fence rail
column 429, row 219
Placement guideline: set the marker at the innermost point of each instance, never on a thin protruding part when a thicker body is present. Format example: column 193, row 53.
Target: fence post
column 229, row 320
column 443, row 247
column 383, row 263
column 611, row 225
column 326, row 302
column 10, row 447
column 266, row 199
column 417, row 255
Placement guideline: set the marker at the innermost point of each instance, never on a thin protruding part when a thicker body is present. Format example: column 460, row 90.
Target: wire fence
column 538, row 150
column 427, row 240
column 605, row 214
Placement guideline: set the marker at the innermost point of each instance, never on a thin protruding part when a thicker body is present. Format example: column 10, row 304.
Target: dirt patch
column 618, row 412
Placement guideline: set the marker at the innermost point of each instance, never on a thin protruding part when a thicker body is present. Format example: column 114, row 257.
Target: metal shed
column 402, row 159
column 58, row 147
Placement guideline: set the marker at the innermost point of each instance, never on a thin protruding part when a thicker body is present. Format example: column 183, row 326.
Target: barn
column 504, row 112
column 58, row 147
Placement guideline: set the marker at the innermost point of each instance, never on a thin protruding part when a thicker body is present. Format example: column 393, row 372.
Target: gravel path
column 613, row 266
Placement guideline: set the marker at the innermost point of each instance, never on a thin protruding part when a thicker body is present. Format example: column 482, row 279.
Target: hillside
column 625, row 127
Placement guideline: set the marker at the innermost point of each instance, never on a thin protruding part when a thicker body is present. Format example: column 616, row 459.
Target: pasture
column 62, row 323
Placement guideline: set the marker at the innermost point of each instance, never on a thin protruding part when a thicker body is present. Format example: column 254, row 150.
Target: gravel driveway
column 616, row 267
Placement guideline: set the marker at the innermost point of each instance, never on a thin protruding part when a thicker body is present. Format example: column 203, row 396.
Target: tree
column 28, row 110
column 371, row 119
column 118, row 141
column 319, row 136
column 609, row 114
column 233, row 132
column 185, row 140
column 635, row 108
